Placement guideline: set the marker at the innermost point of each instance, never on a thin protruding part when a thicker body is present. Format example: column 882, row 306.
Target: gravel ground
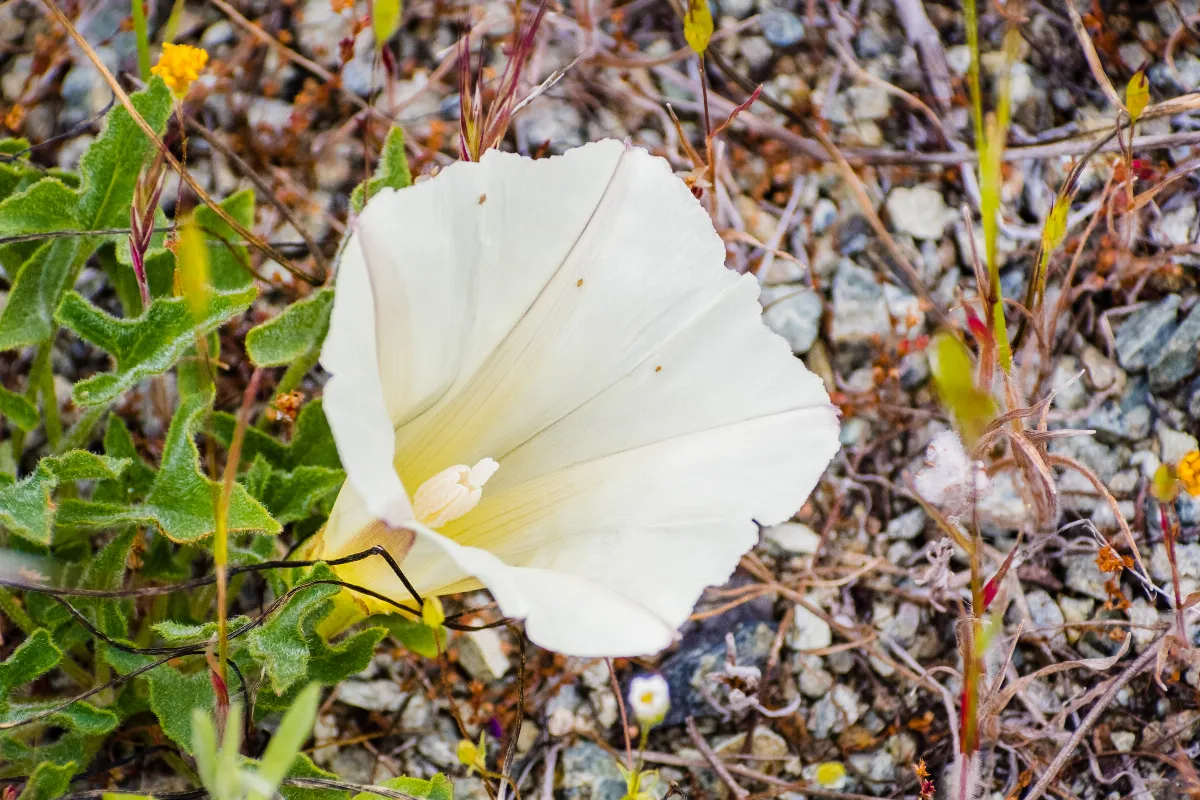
column 851, row 610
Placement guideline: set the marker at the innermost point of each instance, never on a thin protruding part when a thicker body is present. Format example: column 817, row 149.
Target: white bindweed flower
column 592, row 413
column 649, row 699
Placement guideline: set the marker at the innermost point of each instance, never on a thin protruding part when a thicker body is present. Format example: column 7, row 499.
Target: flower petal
column 354, row 399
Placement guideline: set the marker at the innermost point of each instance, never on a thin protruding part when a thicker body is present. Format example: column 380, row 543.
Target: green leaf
column 48, row 781
column 392, row 172
column 145, row 346
column 298, row 331
column 438, row 787
column 281, row 645
column 385, row 20
column 26, row 508
column 292, row 496
column 19, row 411
column 138, row 477
column 33, row 658
column 108, row 172
column 81, row 465
column 176, row 633
column 289, row 647
column 953, row 375
column 416, row 636
column 79, row 717
column 228, row 263
column 312, row 442
column 182, row 501
column 293, row 730
column 173, row 697
column 303, row 767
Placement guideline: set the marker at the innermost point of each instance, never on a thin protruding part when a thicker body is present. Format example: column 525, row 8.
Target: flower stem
column 221, row 540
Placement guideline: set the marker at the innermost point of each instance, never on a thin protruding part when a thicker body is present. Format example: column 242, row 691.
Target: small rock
column 528, row 736
column 590, row 773
column 908, row 525
column 1145, row 332
column 1102, row 373
column 858, row 106
column 781, row 27
column 767, row 745
column 920, row 212
column 794, row 538
column 812, row 679
column 1123, row 740
column 876, row 767
column 482, row 655
column 561, row 722
column 863, row 308
column 1174, row 445
column 1002, row 505
column 703, row 650
column 1177, row 360
column 738, row 9
column 1176, row 225
column 549, row 121
column 357, row 764
column 380, row 695
column 1117, row 422
column 795, row 314
column 824, row 214
column 217, row 34
column 809, row 632
column 757, row 51
column 1085, row 577
column 834, row 712
column 1046, row 615
column 1143, row 619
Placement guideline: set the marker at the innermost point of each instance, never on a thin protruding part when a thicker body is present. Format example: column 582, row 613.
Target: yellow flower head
column 1188, row 472
column 179, row 65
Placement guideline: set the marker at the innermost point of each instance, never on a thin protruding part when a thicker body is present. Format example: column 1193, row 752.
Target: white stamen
column 452, row 492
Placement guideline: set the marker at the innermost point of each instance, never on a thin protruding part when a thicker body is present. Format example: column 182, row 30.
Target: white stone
column 482, row 655
column 380, row 695
column 793, row 537
column 1174, row 445
column 1124, row 740
column 919, row 211
column 809, row 632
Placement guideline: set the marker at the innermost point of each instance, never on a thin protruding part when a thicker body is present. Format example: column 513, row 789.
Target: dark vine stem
column 197, row 648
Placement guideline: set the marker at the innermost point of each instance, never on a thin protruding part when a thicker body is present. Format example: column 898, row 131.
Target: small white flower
column 570, row 320
column 649, row 699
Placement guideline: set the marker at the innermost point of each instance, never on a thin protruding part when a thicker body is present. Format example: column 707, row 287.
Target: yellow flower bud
column 432, row 613
column 178, row 66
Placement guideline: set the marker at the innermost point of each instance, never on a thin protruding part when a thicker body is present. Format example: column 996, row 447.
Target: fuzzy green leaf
column 33, row 658
column 174, row 695
column 291, row 496
column 145, row 346
column 438, row 787
column 48, row 781
column 295, row 333
column 228, row 263
column 303, row 767
column 282, row 644
column 392, row 172
column 108, row 172
column 312, row 442
column 79, row 717
column 20, row 412
column 25, row 506
column 138, row 477
column 182, row 500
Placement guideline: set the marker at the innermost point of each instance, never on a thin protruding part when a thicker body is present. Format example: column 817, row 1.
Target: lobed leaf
column 296, row 332
column 108, row 172
column 392, row 172
column 145, row 346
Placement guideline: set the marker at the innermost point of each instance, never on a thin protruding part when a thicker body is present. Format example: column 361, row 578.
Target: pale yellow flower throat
column 452, row 492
